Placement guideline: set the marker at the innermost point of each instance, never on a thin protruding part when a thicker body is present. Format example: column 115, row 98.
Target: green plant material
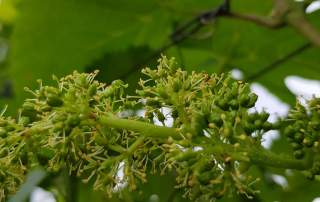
column 79, row 125
column 86, row 32
column 302, row 130
column 82, row 32
column 32, row 180
column 8, row 11
column 248, row 47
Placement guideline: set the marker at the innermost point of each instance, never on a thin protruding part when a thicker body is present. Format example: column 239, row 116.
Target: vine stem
column 261, row 156
column 267, row 158
column 256, row 155
column 146, row 129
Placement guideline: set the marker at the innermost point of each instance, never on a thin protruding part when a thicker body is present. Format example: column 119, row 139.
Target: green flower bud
column 258, row 124
column 198, row 123
column 162, row 91
column 92, row 90
column 58, row 127
column 307, row 142
column 244, row 166
column 298, row 154
column 174, row 113
column 54, row 101
column 10, row 128
column 176, row 85
column 298, row 137
column 160, row 115
column 46, row 153
column 73, row 120
column 248, row 128
column 59, row 118
column 267, row 126
column 264, row 116
column 3, row 152
column 234, row 104
column 109, row 91
column 296, row 146
column 28, row 110
column 289, row 131
column 3, row 133
column 310, row 176
column 82, row 80
column 153, row 102
column 204, row 178
column 244, row 100
column 24, row 120
column 252, row 101
column 3, row 123
column 227, row 131
column 216, row 119
column 100, row 140
column 149, row 115
column 45, row 108
column 234, row 89
column 106, row 165
column 223, row 104
column 118, row 84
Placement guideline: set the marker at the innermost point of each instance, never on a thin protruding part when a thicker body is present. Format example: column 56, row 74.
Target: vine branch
column 258, row 156
column 273, row 23
column 285, row 13
column 146, row 129
column 74, row 126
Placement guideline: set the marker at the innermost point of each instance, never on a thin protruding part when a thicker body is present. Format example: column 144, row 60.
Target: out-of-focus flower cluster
column 302, row 130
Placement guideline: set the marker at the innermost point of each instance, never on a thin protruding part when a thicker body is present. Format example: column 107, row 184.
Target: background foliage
column 41, row 38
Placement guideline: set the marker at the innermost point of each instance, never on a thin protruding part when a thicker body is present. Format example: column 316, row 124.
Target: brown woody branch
column 269, row 22
column 298, row 21
column 284, row 13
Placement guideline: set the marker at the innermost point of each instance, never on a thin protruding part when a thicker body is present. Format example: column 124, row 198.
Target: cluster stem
column 256, row 155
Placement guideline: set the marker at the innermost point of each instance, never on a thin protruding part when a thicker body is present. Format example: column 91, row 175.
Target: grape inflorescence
column 79, row 125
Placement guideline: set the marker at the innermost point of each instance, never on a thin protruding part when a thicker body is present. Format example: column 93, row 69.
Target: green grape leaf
column 57, row 37
column 252, row 48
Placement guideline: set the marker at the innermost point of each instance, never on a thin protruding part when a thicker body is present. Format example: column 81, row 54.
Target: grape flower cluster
column 91, row 129
column 302, row 130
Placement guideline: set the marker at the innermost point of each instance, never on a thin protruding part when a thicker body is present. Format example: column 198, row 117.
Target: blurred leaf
column 57, row 37
column 251, row 48
column 33, row 179
column 7, row 11
column 125, row 65
column 86, row 193
column 259, row 47
column 160, row 187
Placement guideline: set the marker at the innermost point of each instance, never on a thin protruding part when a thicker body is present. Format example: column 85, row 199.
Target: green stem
column 107, row 163
column 255, row 155
column 146, row 129
column 134, row 145
column 261, row 156
column 267, row 158
column 116, row 148
column 72, row 189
